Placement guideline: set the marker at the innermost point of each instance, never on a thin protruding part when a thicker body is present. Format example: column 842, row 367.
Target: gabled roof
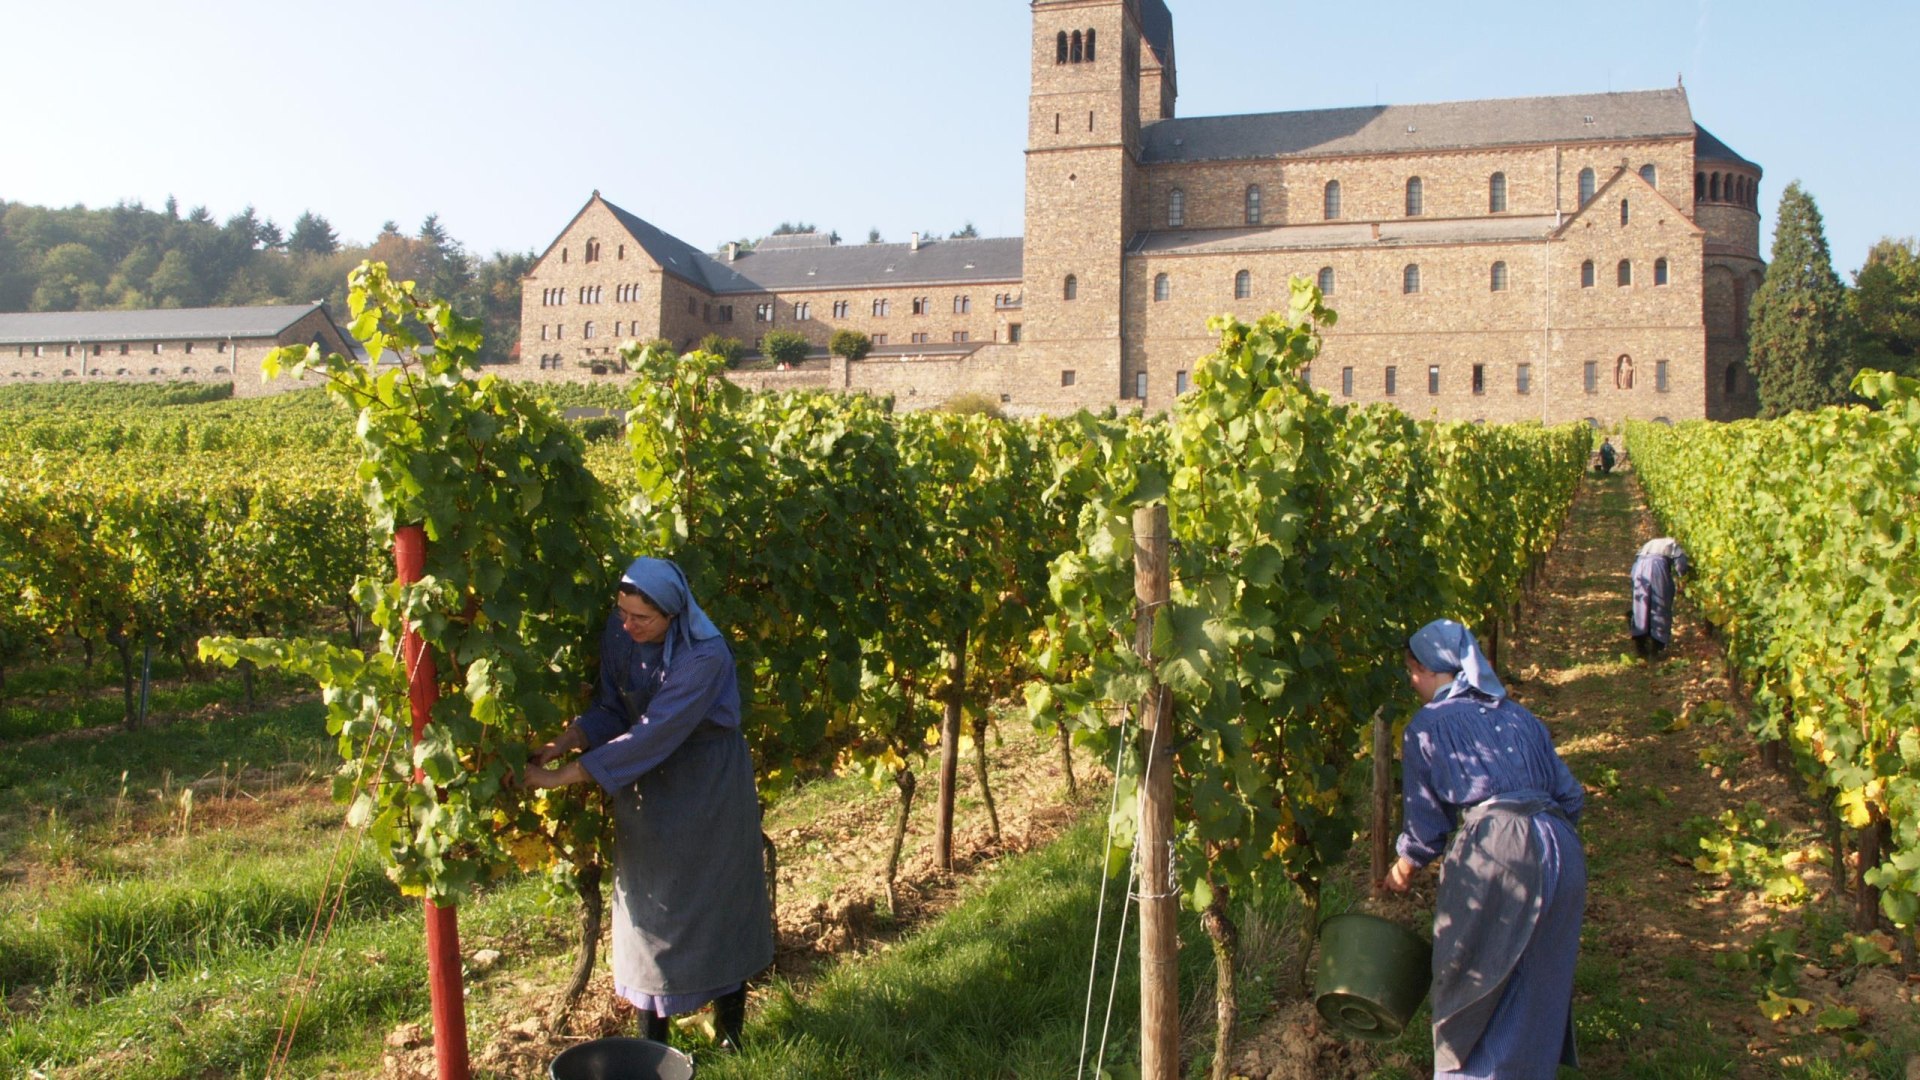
column 1378, row 129
column 152, row 324
column 675, row 256
column 816, row 264
column 1708, row 148
column 937, row 262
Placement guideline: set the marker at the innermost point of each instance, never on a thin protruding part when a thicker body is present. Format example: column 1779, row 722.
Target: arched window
column 1162, row 288
column 1660, row 271
column 1089, row 46
column 1060, row 48
column 1072, row 289
column 1330, row 202
column 1326, row 281
column 563, row 254
column 1732, row 378
column 1176, row 208
column 1242, row 285
column 1699, row 186
column 1498, row 282
column 1410, row 278
column 1415, row 202
column 1253, row 204
column 1623, row 275
column 1497, row 193
column 1075, row 55
column 587, row 331
column 1623, row 211
column 593, row 251
column 1586, row 274
column 1649, row 174
column 1623, row 373
column 1713, row 188
column 1586, row 186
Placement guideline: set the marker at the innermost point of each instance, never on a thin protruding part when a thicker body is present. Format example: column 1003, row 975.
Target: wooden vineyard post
column 950, row 754
column 443, row 932
column 1159, row 894
column 1382, row 795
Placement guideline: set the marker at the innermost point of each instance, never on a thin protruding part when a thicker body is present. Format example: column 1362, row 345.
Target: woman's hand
column 568, row 741
column 1400, row 877
column 571, row 773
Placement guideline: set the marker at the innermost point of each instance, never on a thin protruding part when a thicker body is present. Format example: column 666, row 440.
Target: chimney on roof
column 733, row 250
column 914, row 244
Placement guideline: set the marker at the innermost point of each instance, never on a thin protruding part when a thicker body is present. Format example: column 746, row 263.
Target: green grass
column 997, row 987
column 223, row 1019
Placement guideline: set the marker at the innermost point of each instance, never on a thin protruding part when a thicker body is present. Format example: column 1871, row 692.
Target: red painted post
column 443, row 931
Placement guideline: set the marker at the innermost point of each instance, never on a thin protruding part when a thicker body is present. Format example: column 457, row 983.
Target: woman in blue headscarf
column 690, row 917
column 1481, row 769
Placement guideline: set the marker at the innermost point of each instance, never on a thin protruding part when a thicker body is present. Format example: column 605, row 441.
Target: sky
column 720, row 119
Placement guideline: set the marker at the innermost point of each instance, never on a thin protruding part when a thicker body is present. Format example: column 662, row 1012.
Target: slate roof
column 938, row 262
column 794, row 240
column 1376, row 129
column 1406, row 232
column 1156, row 23
column 815, row 265
column 153, row 324
column 675, row 256
column 1708, row 148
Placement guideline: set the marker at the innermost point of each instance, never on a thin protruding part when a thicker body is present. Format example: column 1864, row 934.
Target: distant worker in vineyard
column 1657, row 571
column 690, row 916
column 1606, row 456
column 1480, row 768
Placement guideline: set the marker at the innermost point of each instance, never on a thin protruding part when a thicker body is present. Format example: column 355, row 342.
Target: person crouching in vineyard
column 690, row 916
column 1478, row 767
column 1657, row 571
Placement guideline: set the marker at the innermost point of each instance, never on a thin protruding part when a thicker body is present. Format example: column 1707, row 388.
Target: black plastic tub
column 621, row 1058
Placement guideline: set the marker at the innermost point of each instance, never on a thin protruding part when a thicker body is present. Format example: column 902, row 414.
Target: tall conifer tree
column 1800, row 335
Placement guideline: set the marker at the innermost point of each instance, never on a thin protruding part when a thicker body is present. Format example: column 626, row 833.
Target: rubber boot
column 656, row 1027
column 729, row 1015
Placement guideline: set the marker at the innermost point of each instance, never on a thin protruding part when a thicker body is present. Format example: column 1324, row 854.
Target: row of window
column 69, row 373
column 1416, row 202
column 1732, row 188
column 590, row 294
column 593, row 251
column 1075, row 48
column 1522, row 377
column 123, row 349
column 1497, row 279
column 1390, row 378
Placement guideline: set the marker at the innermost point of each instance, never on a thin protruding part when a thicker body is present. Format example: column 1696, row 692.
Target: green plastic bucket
column 1373, row 974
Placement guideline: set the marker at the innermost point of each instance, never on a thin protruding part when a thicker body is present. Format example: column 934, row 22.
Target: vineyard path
column 1661, row 990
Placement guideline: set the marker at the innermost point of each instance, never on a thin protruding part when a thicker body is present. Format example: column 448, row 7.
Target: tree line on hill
column 129, row 257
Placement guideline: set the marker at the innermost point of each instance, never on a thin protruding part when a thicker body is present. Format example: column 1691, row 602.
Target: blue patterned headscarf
column 1446, row 646
column 665, row 586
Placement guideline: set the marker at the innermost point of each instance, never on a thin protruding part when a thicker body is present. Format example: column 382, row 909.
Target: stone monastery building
column 1556, row 258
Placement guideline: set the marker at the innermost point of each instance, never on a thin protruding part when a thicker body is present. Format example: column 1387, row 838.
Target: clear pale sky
column 722, row 118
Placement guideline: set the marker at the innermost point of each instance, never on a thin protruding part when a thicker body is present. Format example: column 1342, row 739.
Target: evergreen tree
column 1886, row 302
column 1800, row 336
column 967, row 232
column 312, row 235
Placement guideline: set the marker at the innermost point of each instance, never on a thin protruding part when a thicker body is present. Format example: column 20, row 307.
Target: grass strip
column 995, row 988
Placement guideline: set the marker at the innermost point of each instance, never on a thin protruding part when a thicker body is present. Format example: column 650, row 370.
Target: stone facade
column 1586, row 257
column 208, row 345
